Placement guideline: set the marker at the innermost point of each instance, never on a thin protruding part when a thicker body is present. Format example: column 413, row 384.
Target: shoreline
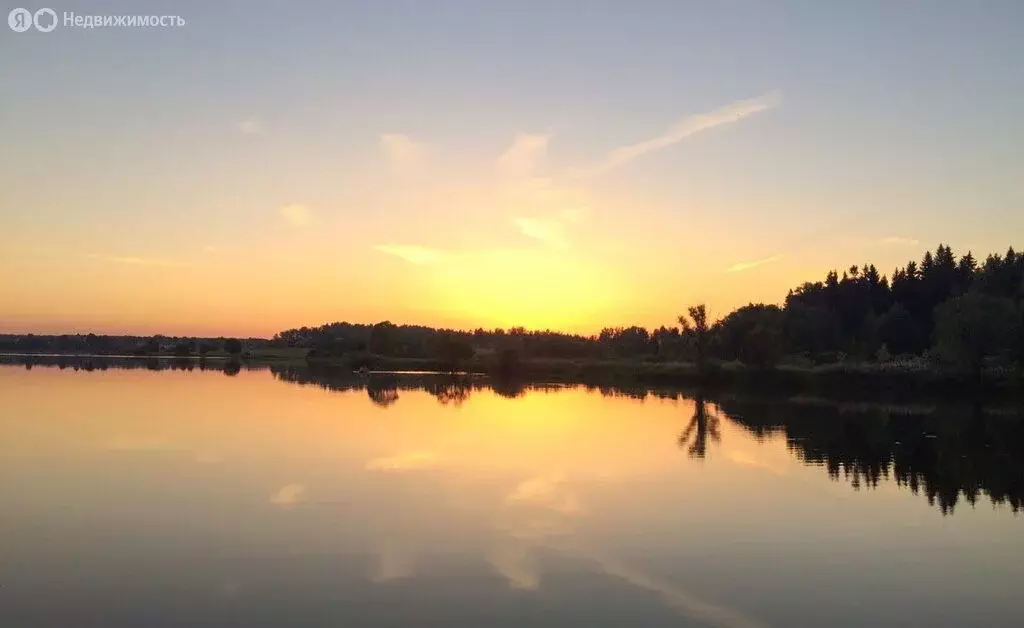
column 839, row 379
column 867, row 377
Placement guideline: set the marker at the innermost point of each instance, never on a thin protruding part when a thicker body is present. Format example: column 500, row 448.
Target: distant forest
column 944, row 309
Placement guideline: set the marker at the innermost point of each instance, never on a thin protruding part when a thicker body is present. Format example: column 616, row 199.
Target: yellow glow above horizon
column 418, row 235
column 533, row 289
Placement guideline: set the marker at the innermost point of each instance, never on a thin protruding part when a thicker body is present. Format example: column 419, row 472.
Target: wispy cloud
column 899, row 241
column 296, row 214
column 741, row 266
column 411, row 253
column 405, row 154
column 551, row 229
column 288, row 495
column 139, row 443
column 249, row 126
column 686, row 602
column 523, row 156
column 744, row 459
column 513, row 561
column 547, row 491
column 685, row 128
column 547, row 231
column 132, row 261
column 394, row 562
column 407, row 461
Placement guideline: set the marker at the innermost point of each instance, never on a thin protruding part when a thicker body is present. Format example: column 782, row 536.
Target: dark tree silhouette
column 381, row 340
column 753, row 334
column 232, row 346
column 971, row 327
column 856, row 312
column 698, row 332
column 453, row 352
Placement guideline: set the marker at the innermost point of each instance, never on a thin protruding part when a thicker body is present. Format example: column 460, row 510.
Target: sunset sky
column 570, row 165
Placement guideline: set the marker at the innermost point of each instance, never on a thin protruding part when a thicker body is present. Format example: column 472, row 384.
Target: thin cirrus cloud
column 547, row 491
column 516, row 564
column 394, row 562
column 741, row 266
column 522, row 158
column 288, row 495
column 899, row 241
column 685, row 128
column 547, row 231
column 411, row 253
column 408, row 461
column 132, row 261
column 249, row 126
column 686, row 602
column 296, row 214
column 744, row 459
column 404, row 154
column 550, row 230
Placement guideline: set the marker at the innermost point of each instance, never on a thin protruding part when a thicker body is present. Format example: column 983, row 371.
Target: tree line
column 125, row 345
column 943, row 308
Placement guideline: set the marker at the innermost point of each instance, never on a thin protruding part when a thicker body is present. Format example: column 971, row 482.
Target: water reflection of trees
column 704, row 425
column 452, row 390
column 950, row 454
column 947, row 453
column 103, row 363
column 383, row 388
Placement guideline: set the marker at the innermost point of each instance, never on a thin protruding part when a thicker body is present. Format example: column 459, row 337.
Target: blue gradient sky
column 263, row 167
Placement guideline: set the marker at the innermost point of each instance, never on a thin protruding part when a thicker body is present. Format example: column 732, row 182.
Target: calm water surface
column 135, row 497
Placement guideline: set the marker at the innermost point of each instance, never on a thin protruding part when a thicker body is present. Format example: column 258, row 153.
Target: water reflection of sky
column 171, row 498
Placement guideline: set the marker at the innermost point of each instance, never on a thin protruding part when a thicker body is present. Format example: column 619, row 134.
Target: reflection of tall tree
column 703, row 424
column 382, row 389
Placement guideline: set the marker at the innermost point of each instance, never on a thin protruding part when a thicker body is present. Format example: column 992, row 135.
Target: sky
column 567, row 165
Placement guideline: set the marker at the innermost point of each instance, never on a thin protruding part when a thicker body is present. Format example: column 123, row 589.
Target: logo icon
column 39, row 23
column 20, row 20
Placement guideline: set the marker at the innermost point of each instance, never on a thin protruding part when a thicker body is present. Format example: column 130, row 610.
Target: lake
column 190, row 496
